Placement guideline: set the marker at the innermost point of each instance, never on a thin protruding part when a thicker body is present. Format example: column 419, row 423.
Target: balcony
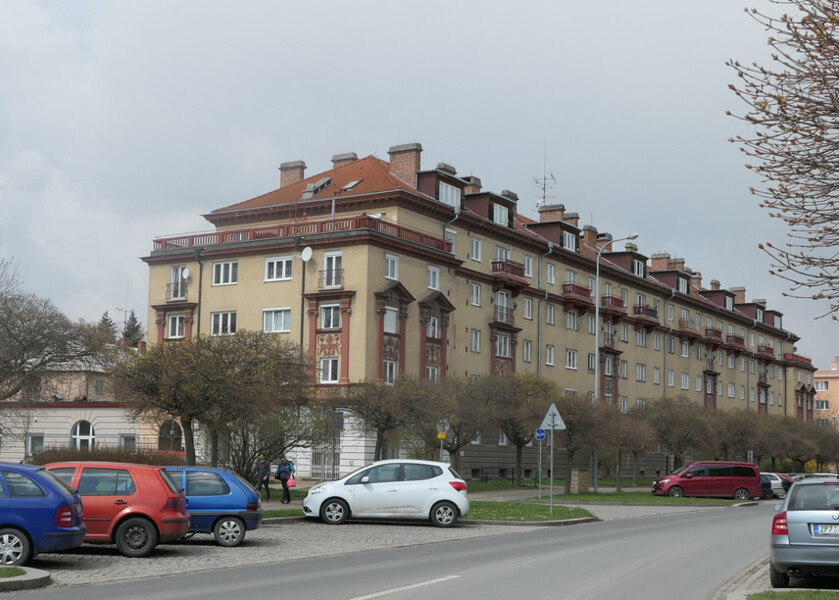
column 576, row 296
column 737, row 341
column 360, row 223
column 608, row 341
column 503, row 314
column 713, row 337
column 176, row 291
column 332, row 279
column 612, row 308
column 689, row 330
column 788, row 356
column 766, row 351
column 508, row 274
column 645, row 316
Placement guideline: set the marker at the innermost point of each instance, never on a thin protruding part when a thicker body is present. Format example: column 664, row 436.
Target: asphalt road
column 688, row 555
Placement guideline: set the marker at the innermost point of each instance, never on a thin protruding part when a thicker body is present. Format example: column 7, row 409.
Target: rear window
column 814, row 497
column 21, row 486
column 65, row 474
column 58, row 481
column 744, row 472
column 173, row 487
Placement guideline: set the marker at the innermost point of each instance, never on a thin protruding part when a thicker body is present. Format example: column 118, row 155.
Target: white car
column 392, row 489
column 777, row 484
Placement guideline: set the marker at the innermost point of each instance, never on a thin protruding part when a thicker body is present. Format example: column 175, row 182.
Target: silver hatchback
column 805, row 532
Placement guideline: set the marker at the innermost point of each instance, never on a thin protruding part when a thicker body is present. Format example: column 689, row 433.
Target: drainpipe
column 539, row 310
column 200, row 288
column 664, row 361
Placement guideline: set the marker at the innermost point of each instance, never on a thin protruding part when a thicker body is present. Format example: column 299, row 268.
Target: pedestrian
column 263, row 476
column 285, row 470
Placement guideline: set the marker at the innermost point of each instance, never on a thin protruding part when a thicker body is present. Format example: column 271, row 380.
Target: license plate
column 825, row 529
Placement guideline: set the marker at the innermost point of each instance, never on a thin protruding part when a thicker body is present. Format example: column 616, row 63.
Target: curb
column 32, row 579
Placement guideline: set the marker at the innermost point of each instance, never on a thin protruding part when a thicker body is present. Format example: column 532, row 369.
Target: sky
column 125, row 121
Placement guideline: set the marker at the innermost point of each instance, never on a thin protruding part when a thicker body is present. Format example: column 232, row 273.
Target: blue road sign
column 540, row 434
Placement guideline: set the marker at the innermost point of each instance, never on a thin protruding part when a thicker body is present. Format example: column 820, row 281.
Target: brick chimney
column 696, row 280
column 549, row 213
column 339, row 160
column 603, row 239
column 677, row 264
column 473, row 185
column 715, row 284
column 660, row 261
column 590, row 236
column 572, row 218
column 291, row 172
column 739, row 295
column 405, row 162
column 446, row 168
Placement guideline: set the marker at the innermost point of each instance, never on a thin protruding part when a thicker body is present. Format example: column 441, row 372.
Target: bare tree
column 793, row 110
column 630, row 432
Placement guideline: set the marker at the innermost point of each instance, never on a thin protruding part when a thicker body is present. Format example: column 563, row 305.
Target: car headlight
column 663, row 481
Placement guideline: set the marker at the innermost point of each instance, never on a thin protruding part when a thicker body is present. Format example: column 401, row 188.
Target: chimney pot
column 446, row 168
column 291, row 172
column 549, row 213
column 473, row 185
column 340, row 160
column 405, row 162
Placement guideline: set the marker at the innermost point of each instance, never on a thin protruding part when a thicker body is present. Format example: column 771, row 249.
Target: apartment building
column 826, row 383
column 379, row 268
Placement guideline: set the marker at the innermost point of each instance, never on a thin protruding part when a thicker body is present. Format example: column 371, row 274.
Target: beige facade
column 827, row 394
column 378, row 269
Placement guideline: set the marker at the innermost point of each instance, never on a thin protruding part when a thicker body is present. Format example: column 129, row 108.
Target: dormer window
column 729, row 303
column 569, row 241
column 777, row 322
column 500, row 214
column 449, row 194
column 638, row 267
column 759, row 315
column 683, row 285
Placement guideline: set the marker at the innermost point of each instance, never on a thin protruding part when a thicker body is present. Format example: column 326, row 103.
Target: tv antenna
column 546, row 181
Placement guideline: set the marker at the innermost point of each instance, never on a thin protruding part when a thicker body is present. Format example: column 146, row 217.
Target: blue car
column 219, row 502
column 38, row 513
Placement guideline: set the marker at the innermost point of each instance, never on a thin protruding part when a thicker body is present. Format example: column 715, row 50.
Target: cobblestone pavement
column 271, row 543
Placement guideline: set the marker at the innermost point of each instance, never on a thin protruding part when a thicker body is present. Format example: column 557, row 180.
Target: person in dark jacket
column 285, row 470
column 263, row 476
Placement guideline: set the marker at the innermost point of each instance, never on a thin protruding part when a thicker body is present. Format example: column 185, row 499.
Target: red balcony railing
column 712, row 333
column 613, row 301
column 509, row 267
column 575, row 289
column 298, row 229
column 797, row 358
column 735, row 340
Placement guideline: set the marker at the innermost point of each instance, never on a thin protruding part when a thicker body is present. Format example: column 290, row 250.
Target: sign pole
column 552, row 462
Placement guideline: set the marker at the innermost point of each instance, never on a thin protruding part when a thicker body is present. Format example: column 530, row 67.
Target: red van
column 738, row 480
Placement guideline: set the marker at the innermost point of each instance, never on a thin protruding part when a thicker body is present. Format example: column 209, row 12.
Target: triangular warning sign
column 553, row 420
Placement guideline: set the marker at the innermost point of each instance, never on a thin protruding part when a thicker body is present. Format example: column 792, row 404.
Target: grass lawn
column 11, row 571
column 481, row 510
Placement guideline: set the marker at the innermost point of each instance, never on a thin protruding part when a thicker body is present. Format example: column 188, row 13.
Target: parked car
column 219, row 502
column 738, row 480
column 786, row 480
column 765, row 487
column 38, row 513
column 133, row 506
column 392, row 489
column 805, row 532
column 776, row 483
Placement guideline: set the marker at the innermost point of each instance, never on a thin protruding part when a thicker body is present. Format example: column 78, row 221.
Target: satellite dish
column 306, row 255
column 185, row 273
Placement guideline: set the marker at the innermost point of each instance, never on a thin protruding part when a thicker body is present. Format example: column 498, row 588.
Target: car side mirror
column 688, row 475
column 365, row 479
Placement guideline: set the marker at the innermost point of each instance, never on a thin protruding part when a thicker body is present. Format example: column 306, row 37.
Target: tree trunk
column 569, row 454
column 519, row 462
column 618, row 488
column 635, row 469
column 189, row 441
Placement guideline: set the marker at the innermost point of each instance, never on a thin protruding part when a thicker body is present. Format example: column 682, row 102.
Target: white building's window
column 476, row 250
column 329, row 370
column 638, row 267
column 570, row 359
column 656, row 375
column 502, row 439
column 475, row 294
column 570, row 241
column 128, row 442
column 685, row 381
column 223, row 323
column 391, row 266
column 550, row 274
column 278, row 268
column 500, row 214
column 432, row 374
column 333, row 271
column 550, row 314
column 450, row 195
column 433, row 278
column 528, row 266
column 640, row 372
column 549, row 355
column 641, row 338
column 476, row 340
column 34, row 443
column 527, row 310
column 175, row 326
column 527, row 351
column 225, row 273
column 389, row 372
column 391, row 320
column 83, row 436
column 276, row 320
column 451, row 237
column 432, row 327
column 502, row 346
column 572, row 320
column 330, row 316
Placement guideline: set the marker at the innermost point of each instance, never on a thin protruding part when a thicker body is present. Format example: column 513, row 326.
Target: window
column 223, row 323
column 608, row 366
column 821, row 386
column 657, row 341
column 527, row 351
column 449, row 194
column 638, row 267
column 82, row 436
column 21, row 486
column 671, row 378
column 433, row 278
column 502, row 439
column 391, row 267
column 730, row 361
column 225, row 273
column 683, row 285
column 329, row 370
column 476, row 340
column 475, row 294
column 128, row 441
column 177, row 283
column 731, row 390
column 528, row 308
column 669, row 312
column 528, row 266
column 640, row 372
column 34, row 443
column 624, row 333
column 592, row 361
column 333, row 272
column 571, row 320
column 685, row 381
column 624, row 369
column 389, row 372
column 451, row 237
column 571, row 359
column 432, row 374
column 330, row 316
column 276, row 320
column 549, row 355
column 623, row 404
column 432, row 327
column 391, row 320
column 500, row 214
column 277, row 268
column 550, row 314
column 685, row 349
column 641, row 338
column 698, row 351
column 550, row 274
column 822, row 405
column 176, row 326
column 476, row 250
column 502, row 346
column 729, row 303
column 570, row 276
column 99, row 386
column 570, row 241
column 656, row 376
column 592, row 325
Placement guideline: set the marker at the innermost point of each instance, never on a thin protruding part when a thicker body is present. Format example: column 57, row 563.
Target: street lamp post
column 597, row 325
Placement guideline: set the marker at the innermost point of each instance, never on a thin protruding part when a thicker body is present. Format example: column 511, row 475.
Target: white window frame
column 550, row 355
column 475, row 342
column 475, row 294
column 500, row 214
column 390, row 320
column 223, row 322
column 330, row 316
column 272, row 314
column 432, row 328
column 550, row 314
column 392, row 267
column 433, row 278
column 571, row 359
column 550, row 274
column 527, row 351
column 502, row 346
column 175, row 326
column 389, row 372
column 528, row 265
column 477, row 248
column 278, row 268
column 572, row 320
column 226, row 272
column 640, row 372
column 329, row 369
column 432, row 374
column 527, row 309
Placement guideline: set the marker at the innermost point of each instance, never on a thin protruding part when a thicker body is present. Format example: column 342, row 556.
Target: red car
column 133, row 506
column 738, row 480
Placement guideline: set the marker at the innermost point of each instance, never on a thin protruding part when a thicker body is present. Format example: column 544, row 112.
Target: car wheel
column 334, row 511
column 742, row 494
column 136, row 537
column 14, row 547
column 676, row 492
column 444, row 514
column 782, row 494
column 778, row 579
column 229, row 531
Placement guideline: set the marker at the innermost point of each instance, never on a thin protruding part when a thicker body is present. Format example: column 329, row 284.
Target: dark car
column 219, row 502
column 38, row 513
column 765, row 487
column 805, row 532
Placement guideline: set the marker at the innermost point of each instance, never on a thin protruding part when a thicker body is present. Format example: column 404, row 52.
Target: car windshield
column 59, row 483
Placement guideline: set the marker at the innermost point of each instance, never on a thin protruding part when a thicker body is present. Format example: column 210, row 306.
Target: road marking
column 406, row 587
